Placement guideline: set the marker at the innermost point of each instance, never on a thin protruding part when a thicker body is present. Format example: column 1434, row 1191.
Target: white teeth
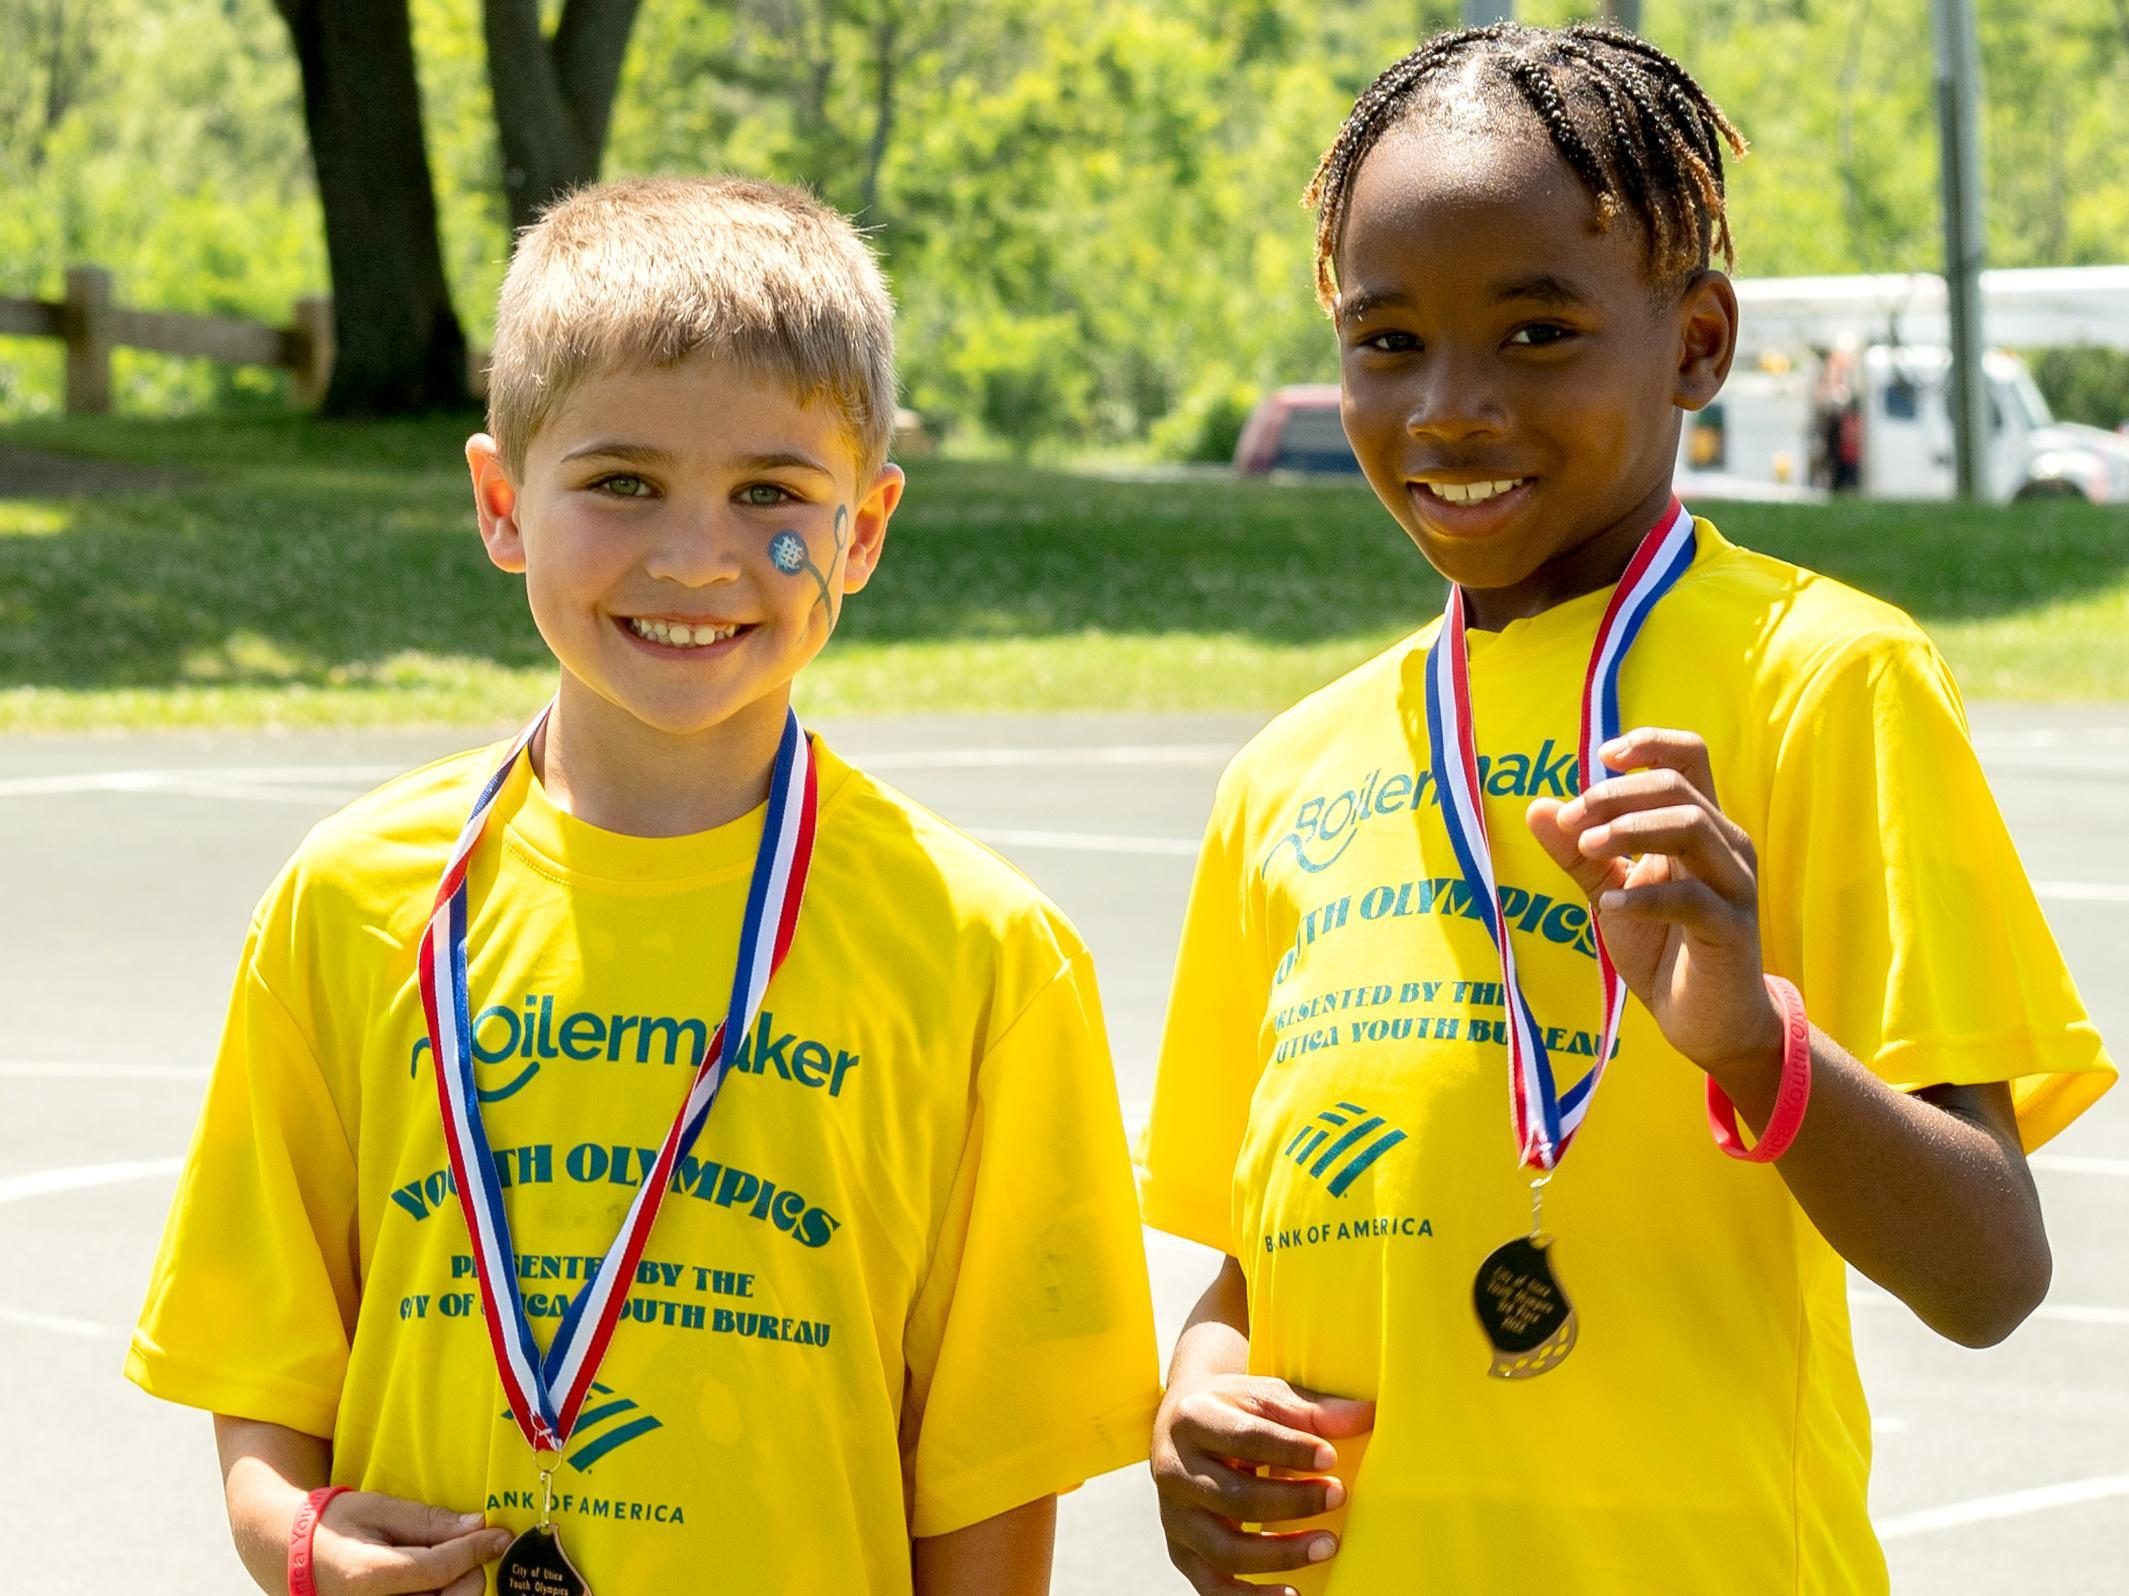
column 675, row 634
column 1473, row 492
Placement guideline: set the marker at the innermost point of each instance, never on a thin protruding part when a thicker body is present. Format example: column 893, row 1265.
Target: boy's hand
column 1674, row 883
column 1208, row 1441
column 369, row 1544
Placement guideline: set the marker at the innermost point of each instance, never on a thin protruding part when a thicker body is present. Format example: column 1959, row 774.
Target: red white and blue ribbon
column 547, row 1392
column 1544, row 1117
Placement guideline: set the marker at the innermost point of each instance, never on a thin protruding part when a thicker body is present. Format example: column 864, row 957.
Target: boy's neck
column 1596, row 562
column 605, row 767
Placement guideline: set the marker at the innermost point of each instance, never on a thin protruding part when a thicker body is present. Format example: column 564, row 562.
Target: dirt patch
column 36, row 474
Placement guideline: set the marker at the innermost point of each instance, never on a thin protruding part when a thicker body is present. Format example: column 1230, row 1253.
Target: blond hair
column 648, row 271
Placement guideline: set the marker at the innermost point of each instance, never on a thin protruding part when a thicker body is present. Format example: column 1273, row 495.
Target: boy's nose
column 1453, row 400
column 695, row 551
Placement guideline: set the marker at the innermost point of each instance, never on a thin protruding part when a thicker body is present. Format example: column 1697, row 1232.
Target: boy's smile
column 687, row 534
column 1513, row 377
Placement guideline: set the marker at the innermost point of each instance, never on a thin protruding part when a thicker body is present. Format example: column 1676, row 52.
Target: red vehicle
column 1296, row 429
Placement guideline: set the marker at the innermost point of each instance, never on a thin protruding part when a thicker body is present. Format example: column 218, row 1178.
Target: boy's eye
column 766, row 494
column 1390, row 342
column 622, row 486
column 1539, row 334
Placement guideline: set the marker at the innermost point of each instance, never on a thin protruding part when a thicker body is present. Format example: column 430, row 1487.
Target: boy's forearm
column 1927, row 1193
column 1009, row 1555
column 267, row 1470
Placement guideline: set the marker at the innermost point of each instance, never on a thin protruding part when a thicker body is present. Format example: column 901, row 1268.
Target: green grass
column 301, row 574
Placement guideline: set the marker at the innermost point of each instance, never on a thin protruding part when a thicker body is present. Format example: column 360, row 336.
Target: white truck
column 1842, row 383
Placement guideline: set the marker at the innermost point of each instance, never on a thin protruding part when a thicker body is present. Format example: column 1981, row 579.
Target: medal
column 1521, row 1306
column 535, row 1564
column 546, row 1392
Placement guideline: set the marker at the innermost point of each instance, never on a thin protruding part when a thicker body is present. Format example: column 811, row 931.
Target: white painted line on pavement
column 2055, row 769
column 286, row 782
column 2074, row 1164
column 258, row 792
column 2079, row 1313
column 1022, row 758
column 55, row 1070
column 1085, row 842
column 2073, row 737
column 1860, row 1296
column 173, row 787
column 43, row 1182
column 2009, row 1505
column 2083, row 891
column 59, row 1324
column 99, row 781
column 333, row 777
column 325, row 773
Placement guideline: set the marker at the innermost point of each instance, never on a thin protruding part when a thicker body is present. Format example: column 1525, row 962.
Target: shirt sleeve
column 1891, row 891
column 254, row 1292
column 1211, row 1051
column 1030, row 1349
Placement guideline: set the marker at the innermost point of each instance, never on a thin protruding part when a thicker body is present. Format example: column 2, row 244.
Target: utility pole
column 1959, row 144
column 1626, row 13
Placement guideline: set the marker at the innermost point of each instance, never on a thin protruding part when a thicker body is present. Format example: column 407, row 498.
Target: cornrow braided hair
column 1630, row 121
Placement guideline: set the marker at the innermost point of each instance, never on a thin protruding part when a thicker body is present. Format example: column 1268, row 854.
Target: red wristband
column 300, row 1536
column 1790, row 1098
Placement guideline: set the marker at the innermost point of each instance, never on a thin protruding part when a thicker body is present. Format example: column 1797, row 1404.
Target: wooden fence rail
column 91, row 325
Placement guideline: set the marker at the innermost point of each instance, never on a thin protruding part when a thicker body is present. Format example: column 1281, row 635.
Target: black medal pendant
column 536, row 1565
column 1523, row 1310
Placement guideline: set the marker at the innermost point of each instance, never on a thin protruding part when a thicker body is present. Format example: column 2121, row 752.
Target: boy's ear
column 1707, row 339
column 868, row 526
column 495, row 503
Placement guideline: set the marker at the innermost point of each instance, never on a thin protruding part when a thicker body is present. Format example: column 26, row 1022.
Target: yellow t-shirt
column 1332, row 1102
column 898, row 1288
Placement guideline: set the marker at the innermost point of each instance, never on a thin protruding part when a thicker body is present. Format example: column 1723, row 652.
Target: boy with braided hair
column 1630, row 757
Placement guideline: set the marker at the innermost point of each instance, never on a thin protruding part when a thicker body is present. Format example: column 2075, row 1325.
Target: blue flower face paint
column 788, row 551
column 789, row 554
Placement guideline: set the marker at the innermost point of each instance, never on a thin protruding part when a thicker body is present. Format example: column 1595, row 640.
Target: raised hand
column 1674, row 883
column 1209, row 1441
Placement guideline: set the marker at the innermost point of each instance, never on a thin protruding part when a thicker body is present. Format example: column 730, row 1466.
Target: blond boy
column 893, row 1300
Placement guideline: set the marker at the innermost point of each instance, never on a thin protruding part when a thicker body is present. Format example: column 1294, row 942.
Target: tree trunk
column 885, row 38
column 397, row 343
column 58, row 82
column 68, row 51
column 553, row 98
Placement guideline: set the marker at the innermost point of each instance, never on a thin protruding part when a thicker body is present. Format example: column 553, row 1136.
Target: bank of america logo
column 603, row 1427
column 1341, row 1142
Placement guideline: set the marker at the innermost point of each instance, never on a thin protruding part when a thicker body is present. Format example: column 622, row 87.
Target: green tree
column 553, row 94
